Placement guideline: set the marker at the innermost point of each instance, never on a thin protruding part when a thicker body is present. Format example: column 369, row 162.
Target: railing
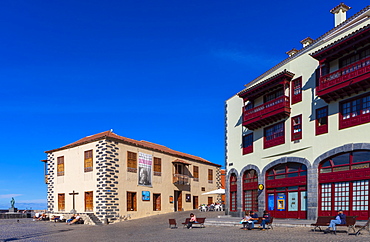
column 356, row 69
column 181, row 179
column 266, row 108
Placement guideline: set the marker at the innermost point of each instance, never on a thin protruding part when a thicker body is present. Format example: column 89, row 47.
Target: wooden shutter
column 210, row 176
column 196, row 173
column 131, row 161
column 89, row 205
column 157, row 166
column 61, row 202
column 131, row 201
column 60, row 166
column 88, row 160
column 210, row 200
column 157, row 202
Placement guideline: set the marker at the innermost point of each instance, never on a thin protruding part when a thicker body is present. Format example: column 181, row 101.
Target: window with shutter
column 210, row 176
column 88, row 161
column 60, row 166
column 157, row 166
column 61, row 202
column 131, row 162
column 131, row 201
column 195, row 173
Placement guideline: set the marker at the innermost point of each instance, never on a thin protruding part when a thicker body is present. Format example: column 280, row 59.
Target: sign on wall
column 145, row 195
column 145, row 169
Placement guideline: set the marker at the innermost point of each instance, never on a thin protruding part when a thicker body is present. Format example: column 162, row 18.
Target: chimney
column 306, row 41
column 292, row 52
column 340, row 13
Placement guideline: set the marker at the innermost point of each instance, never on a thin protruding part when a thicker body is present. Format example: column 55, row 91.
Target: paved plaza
column 155, row 228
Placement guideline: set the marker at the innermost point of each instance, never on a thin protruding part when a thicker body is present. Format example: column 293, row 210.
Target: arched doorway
column 250, row 190
column 233, row 192
column 344, row 184
column 286, row 190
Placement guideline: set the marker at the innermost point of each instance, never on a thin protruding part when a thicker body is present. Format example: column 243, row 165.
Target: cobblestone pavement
column 155, row 228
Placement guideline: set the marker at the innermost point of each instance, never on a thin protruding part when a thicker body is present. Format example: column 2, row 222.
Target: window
column 273, row 95
column 322, row 120
column 157, row 166
column 354, row 112
column 88, row 160
column 156, row 202
column 247, row 143
column 297, row 127
column 195, row 173
column 60, row 166
column 131, row 162
column 345, row 162
column 250, row 190
column 233, row 192
column 274, row 135
column 287, row 170
column 131, row 201
column 61, row 201
column 210, row 176
column 297, row 90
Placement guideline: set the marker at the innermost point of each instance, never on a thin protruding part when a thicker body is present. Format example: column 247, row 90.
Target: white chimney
column 292, row 52
column 306, row 41
column 340, row 13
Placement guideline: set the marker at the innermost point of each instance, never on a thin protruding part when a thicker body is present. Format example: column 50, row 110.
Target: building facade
column 297, row 137
column 116, row 178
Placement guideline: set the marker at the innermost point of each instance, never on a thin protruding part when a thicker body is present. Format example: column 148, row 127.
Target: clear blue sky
column 150, row 70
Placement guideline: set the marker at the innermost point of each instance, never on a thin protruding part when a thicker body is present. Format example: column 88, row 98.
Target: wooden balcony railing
column 344, row 74
column 181, row 179
column 266, row 113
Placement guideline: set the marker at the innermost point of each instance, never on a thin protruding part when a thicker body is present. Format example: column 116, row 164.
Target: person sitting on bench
column 266, row 218
column 254, row 218
column 339, row 219
column 192, row 220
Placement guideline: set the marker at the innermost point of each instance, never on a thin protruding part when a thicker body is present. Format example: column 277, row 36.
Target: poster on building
column 145, row 169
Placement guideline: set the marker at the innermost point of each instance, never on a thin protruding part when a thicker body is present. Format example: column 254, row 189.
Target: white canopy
column 218, row 191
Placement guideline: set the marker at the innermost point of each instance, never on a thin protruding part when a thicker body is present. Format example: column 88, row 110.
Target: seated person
column 192, row 220
column 71, row 219
column 37, row 216
column 42, row 217
column 339, row 219
column 245, row 220
column 75, row 220
column 254, row 218
column 266, row 218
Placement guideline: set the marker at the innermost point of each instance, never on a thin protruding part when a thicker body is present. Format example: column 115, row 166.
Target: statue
column 12, row 202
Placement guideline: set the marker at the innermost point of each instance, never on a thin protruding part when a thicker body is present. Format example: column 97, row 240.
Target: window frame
column 296, row 86
column 131, row 162
column 278, row 140
column 323, row 128
column 296, row 124
column 210, row 176
column 131, row 201
column 247, row 143
column 88, row 161
column 157, row 166
column 195, row 173
column 354, row 111
column 60, row 166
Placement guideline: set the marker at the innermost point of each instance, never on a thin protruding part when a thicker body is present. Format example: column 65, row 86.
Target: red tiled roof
column 144, row 144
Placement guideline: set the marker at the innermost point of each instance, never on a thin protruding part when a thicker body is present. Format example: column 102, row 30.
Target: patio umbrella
column 218, row 191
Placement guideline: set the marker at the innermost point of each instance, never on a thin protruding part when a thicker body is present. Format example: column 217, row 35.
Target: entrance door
column 178, row 201
column 156, row 202
column 61, row 202
column 195, row 202
column 89, row 205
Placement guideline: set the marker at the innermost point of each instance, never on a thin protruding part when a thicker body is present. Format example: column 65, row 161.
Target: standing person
column 266, row 218
column 192, row 220
column 254, row 218
column 245, row 220
column 339, row 219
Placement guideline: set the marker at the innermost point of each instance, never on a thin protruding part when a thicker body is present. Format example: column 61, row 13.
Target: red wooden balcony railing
column 344, row 77
column 266, row 113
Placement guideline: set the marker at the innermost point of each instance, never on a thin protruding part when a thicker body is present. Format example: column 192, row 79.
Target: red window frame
column 274, row 135
column 233, row 193
column 248, row 144
column 297, row 90
column 296, row 131
column 322, row 120
column 354, row 111
column 250, row 190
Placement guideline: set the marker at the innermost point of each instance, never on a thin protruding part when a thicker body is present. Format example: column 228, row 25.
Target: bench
column 200, row 222
column 268, row 224
column 325, row 220
column 361, row 228
column 172, row 223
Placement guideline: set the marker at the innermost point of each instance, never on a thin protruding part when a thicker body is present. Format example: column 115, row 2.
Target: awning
column 181, row 162
column 218, row 191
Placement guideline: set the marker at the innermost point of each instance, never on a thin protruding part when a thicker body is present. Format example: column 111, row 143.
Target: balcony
column 267, row 113
column 181, row 179
column 345, row 81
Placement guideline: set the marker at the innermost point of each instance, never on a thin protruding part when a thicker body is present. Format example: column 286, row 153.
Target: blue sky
column 150, row 70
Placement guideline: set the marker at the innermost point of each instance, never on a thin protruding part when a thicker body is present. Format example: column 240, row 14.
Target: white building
column 302, row 129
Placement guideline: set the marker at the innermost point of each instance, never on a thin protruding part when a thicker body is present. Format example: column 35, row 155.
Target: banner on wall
column 145, row 169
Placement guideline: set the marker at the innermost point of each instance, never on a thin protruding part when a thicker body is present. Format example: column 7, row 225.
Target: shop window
column 322, row 121
column 247, row 143
column 274, row 135
column 354, row 112
column 131, row 162
column 297, row 90
column 297, row 127
column 88, row 161
column 60, row 166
